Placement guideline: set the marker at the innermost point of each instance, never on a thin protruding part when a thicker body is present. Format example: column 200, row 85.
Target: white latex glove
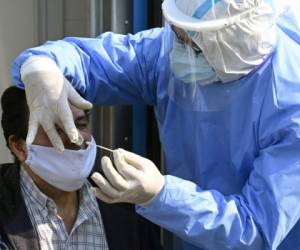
column 48, row 95
column 135, row 180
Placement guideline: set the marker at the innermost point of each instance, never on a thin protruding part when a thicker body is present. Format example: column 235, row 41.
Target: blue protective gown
column 233, row 174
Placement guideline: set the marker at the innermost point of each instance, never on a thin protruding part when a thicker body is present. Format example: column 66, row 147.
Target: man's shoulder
column 7, row 167
column 14, row 219
column 10, row 195
column 9, row 178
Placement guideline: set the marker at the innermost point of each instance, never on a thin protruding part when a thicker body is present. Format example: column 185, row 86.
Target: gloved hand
column 135, row 180
column 48, row 95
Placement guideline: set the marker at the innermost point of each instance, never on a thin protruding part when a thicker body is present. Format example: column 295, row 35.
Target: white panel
column 77, row 28
column 54, row 20
column 76, row 9
column 77, row 18
column 18, row 30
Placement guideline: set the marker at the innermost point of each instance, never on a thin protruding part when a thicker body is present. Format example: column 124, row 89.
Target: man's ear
column 18, row 147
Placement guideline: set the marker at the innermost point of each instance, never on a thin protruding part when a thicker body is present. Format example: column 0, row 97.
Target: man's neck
column 63, row 200
column 67, row 203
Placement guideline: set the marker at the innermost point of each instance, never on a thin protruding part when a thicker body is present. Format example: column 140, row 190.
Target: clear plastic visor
column 192, row 82
column 174, row 16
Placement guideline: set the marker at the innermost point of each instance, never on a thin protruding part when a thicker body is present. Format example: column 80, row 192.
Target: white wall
column 18, row 30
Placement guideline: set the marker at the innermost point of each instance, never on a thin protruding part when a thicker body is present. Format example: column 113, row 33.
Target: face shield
column 214, row 42
column 191, row 76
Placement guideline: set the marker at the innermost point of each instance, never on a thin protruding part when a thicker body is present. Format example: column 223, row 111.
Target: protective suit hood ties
column 66, row 171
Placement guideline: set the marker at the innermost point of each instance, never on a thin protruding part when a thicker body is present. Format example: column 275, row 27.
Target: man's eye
column 59, row 130
column 81, row 126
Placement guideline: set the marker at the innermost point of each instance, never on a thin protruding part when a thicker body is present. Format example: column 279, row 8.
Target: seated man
column 45, row 198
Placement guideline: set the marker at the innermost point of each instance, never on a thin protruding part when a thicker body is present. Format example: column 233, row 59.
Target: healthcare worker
column 223, row 77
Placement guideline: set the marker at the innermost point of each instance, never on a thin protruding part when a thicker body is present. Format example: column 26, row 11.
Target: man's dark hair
column 15, row 113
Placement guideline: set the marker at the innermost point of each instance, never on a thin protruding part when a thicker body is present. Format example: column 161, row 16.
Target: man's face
column 81, row 122
column 19, row 147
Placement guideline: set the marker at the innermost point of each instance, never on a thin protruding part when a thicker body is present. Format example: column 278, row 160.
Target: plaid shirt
column 87, row 232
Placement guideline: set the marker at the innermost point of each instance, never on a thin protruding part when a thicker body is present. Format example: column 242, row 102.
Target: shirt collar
column 87, row 201
column 31, row 190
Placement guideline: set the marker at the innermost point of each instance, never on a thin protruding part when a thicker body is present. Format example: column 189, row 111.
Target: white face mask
column 189, row 67
column 66, row 171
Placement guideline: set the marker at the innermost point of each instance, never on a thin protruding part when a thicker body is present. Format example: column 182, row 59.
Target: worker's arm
column 257, row 218
column 110, row 69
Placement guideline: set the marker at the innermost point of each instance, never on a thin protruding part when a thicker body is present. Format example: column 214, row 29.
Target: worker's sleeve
column 259, row 217
column 110, row 69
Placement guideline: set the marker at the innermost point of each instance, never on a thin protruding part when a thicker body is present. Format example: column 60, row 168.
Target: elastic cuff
column 38, row 63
